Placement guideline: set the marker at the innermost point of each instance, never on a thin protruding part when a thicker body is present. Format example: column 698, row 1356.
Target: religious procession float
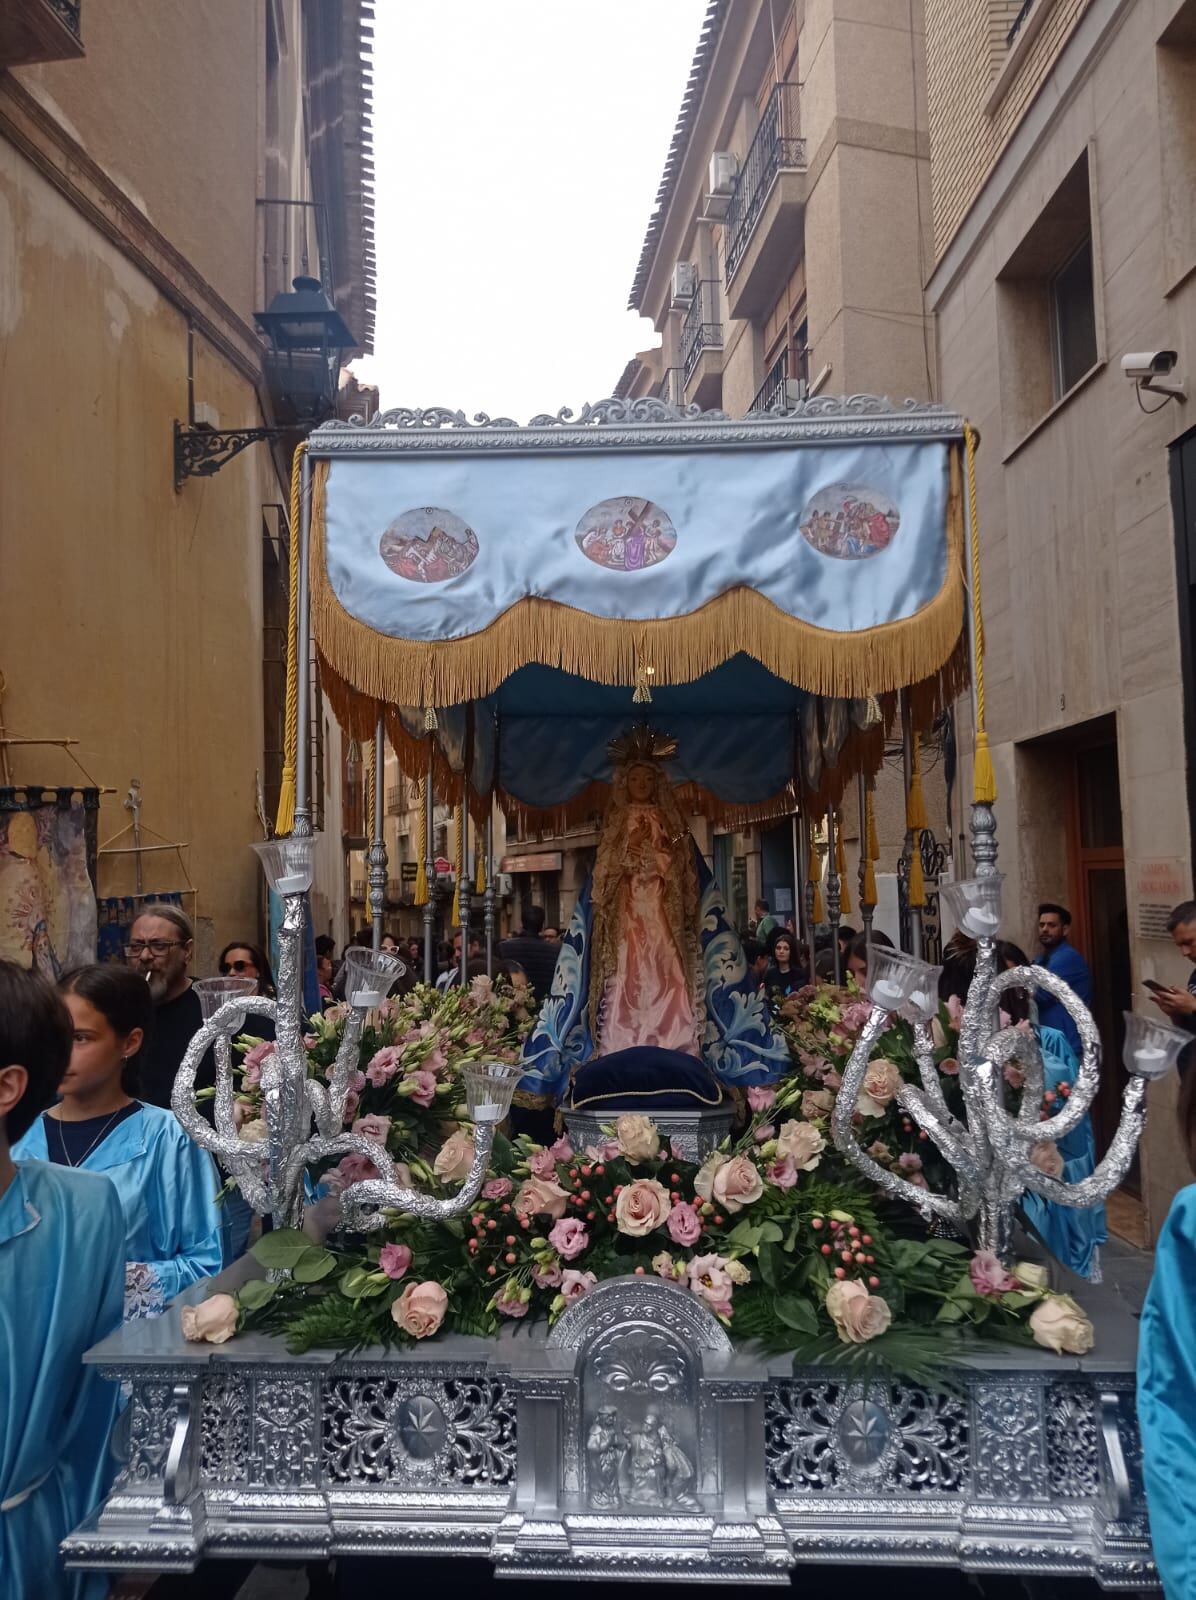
column 657, row 1279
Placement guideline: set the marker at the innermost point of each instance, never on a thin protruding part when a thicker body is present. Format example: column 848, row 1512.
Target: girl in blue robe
column 62, row 1258
column 1167, row 1382
column 166, row 1183
column 1073, row 1234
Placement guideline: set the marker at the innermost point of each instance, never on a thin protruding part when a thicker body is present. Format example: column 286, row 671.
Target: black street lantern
column 309, row 340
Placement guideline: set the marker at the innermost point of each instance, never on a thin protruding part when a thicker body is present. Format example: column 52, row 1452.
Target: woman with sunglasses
column 241, row 960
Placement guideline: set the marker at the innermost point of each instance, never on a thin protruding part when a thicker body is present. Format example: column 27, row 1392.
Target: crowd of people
column 108, row 1210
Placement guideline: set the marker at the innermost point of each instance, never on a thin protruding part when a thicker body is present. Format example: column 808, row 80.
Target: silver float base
column 691, row 1134
column 632, row 1442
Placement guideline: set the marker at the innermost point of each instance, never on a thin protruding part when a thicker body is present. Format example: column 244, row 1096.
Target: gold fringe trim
column 453, row 671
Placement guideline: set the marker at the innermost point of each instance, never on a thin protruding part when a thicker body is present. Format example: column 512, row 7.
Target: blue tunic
column 1072, row 1235
column 1167, row 1398
column 167, row 1187
column 62, row 1254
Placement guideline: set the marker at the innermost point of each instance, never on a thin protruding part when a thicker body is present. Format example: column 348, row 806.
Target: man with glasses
column 160, row 949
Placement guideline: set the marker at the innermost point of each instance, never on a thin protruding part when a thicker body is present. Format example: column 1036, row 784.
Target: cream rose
column 214, row 1320
column 1061, row 1325
column 253, row 1132
column 737, row 1184
column 637, row 1136
column 705, row 1175
column 420, row 1309
column 858, row 1316
column 538, row 1197
column 817, row 1103
column 454, row 1158
column 641, row 1207
column 1031, row 1274
column 1045, row 1156
column 881, row 1083
column 803, row 1142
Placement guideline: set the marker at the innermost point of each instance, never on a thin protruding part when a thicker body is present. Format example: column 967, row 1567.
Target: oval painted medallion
column 626, row 534
column 850, row 521
column 428, row 545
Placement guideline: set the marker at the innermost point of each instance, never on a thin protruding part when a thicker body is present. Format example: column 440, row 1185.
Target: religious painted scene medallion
column 428, row 545
column 850, row 522
column 626, row 534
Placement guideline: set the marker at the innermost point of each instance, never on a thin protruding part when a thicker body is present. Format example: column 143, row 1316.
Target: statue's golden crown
column 642, row 744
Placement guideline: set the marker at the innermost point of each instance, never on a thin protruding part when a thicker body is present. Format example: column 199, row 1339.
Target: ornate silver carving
column 225, row 1417
column 691, row 1134
column 456, row 1432
column 1010, row 1454
column 823, row 1436
column 284, row 1454
column 646, row 423
column 151, row 1426
column 648, row 1301
column 1073, row 1460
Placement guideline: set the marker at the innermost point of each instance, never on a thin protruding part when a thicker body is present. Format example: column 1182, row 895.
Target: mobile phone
column 1155, row 988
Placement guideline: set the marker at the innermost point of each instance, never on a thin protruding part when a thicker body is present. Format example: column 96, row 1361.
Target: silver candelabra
column 991, row 1150
column 304, row 1117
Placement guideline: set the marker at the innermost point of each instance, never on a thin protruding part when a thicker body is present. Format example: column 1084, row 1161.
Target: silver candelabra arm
column 932, row 1084
column 1083, row 1091
column 363, row 1204
column 1105, row 1177
column 843, row 1129
column 343, row 1069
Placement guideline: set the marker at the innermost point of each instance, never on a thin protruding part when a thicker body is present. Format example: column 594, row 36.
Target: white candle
column 368, row 999
column 887, row 994
column 980, row 921
column 1150, row 1060
column 488, row 1111
column 294, row 883
column 923, row 1002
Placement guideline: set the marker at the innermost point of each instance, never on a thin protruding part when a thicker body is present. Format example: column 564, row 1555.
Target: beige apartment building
column 165, row 170
column 786, row 256
column 1063, row 162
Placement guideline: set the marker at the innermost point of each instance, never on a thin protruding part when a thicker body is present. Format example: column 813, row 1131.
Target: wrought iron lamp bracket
column 200, row 451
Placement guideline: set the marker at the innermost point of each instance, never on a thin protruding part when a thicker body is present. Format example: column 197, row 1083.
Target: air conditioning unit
column 796, row 390
column 685, row 284
column 724, row 170
column 504, row 884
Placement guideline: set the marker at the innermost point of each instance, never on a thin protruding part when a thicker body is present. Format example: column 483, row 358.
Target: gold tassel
column 643, row 687
column 818, row 914
column 284, row 821
column 984, row 779
column 917, row 883
column 421, row 871
column 870, row 819
column 455, row 915
column 430, row 720
column 915, row 800
column 868, row 893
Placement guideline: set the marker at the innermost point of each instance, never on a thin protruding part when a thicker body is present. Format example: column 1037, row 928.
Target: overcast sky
column 518, row 148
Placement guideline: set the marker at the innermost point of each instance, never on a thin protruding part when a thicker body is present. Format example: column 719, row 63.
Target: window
column 1073, row 319
column 1050, row 326
column 1177, row 142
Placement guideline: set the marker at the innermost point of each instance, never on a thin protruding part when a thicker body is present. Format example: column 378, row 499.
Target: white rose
column 254, row 1132
column 637, row 1136
column 213, row 1320
column 803, row 1142
column 1031, row 1274
column 1059, row 1323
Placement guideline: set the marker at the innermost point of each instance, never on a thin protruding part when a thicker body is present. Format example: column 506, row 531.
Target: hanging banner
column 47, row 891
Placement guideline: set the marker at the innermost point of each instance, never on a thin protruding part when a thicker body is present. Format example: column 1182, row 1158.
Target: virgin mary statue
column 650, row 970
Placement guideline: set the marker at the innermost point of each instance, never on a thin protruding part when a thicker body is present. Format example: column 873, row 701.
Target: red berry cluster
column 849, row 1245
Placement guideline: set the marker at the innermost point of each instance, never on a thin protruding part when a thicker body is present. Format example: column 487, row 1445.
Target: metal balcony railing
column 701, row 329
column 395, row 803
column 669, row 389
column 777, row 145
column 293, row 241
column 774, row 390
column 69, row 12
column 357, row 890
column 1024, row 12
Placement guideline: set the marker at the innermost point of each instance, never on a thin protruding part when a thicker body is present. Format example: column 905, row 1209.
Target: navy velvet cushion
column 644, row 1079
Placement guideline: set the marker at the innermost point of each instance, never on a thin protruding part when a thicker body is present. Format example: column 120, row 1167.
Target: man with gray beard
column 160, row 948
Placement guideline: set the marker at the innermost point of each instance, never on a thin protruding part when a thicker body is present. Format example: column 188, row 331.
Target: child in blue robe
column 167, row 1185
column 1073, row 1234
column 62, row 1257
column 1167, row 1381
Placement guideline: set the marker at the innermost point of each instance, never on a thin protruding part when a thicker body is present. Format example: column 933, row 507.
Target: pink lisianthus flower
column 372, row 1127
column 511, row 1303
column 355, row 1169
column 357, row 1081
column 832, row 1079
column 765, row 1132
column 909, row 1161
column 855, row 1014
column 424, row 1092
column 954, row 1007
column 542, row 1164
column 310, row 1041
column 497, row 1188
column 574, row 1284
column 562, row 1150
column 352, row 1101
column 436, row 1061
column 547, row 1277
column 394, row 1260
column 782, row 1174
column 684, row 1226
column 606, row 1151
column 476, row 1036
column 255, row 1059
column 761, row 1099
column 988, row 1275
column 568, row 1238
column 710, row 1281
column 383, row 1066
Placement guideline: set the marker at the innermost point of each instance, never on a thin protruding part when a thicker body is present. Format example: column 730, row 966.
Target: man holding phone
column 1179, row 1005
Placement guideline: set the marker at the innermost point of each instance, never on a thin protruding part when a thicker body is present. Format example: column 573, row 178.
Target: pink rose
column 858, row 1316
column 988, row 1275
column 355, row 1169
column 641, row 1207
column 761, row 1099
column 394, row 1259
column 574, row 1284
column 543, row 1164
column 737, row 1184
column 383, row 1066
column 606, row 1151
column 420, row 1309
column 562, row 1150
column 568, row 1237
column 710, row 1281
column 454, row 1158
column 511, row 1303
column 684, row 1225
column 706, row 1173
column 424, row 1092
column 949, row 1067
column 855, row 1014
column 881, row 1083
column 536, row 1197
column 782, row 1174
column 497, row 1188
column 1045, row 1156
column 372, row 1127
column 547, row 1277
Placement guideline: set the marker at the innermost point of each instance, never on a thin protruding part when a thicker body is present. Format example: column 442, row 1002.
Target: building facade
column 1063, row 165
column 164, row 171
column 786, row 256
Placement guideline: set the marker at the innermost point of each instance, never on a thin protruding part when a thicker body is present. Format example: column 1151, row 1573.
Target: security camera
column 1149, row 363
column 1148, row 370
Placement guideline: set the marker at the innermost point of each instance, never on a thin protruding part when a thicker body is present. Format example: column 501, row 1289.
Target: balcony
column 396, row 803
column 702, row 347
column 669, row 389
column 39, row 30
column 779, row 389
column 357, row 891
column 766, row 217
